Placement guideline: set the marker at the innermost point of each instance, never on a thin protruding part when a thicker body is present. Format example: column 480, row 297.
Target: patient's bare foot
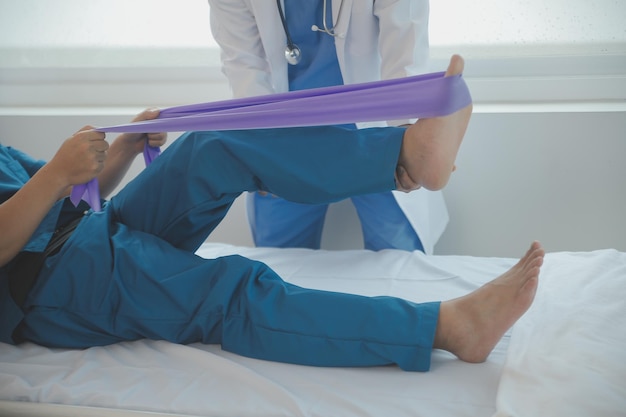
column 430, row 146
column 471, row 326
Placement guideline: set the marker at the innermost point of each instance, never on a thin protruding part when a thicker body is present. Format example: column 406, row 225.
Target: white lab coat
column 252, row 42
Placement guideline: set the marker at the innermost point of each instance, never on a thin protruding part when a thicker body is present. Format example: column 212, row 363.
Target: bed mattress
column 566, row 356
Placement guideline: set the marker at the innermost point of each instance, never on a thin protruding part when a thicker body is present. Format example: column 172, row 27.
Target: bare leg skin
column 430, row 146
column 471, row 326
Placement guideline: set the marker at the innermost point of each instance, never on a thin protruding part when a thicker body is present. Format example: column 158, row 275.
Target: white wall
column 558, row 177
column 542, row 159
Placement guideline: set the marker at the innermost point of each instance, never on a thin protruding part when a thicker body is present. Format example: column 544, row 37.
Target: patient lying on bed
column 130, row 272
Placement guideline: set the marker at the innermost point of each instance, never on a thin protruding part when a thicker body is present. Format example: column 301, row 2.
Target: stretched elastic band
column 421, row 96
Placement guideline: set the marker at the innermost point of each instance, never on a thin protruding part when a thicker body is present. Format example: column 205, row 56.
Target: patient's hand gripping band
column 421, row 96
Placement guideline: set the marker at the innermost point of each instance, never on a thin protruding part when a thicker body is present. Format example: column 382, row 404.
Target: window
column 554, row 50
column 513, row 27
column 483, row 28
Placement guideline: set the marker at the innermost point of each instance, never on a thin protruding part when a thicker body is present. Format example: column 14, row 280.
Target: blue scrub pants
column 130, row 272
column 276, row 222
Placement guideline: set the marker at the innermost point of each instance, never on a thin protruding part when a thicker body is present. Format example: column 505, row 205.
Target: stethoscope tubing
column 293, row 54
column 290, row 43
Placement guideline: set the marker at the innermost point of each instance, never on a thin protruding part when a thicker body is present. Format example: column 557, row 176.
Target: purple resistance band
column 421, row 96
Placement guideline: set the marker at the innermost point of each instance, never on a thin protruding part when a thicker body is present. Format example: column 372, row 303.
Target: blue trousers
column 130, row 272
column 276, row 222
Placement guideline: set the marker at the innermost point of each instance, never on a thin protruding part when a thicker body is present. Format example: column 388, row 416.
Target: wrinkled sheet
column 567, row 355
column 134, row 378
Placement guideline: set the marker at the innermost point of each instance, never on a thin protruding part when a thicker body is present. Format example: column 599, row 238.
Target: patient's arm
column 78, row 160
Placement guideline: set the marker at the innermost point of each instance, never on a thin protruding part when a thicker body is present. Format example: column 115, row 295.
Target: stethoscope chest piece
column 293, row 54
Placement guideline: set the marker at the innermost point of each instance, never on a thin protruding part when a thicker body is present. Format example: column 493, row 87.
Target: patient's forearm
column 21, row 214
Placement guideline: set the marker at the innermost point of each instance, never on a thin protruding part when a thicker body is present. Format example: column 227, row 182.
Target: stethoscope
column 293, row 55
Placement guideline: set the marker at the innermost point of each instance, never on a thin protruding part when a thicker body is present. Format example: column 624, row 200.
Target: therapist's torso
column 379, row 39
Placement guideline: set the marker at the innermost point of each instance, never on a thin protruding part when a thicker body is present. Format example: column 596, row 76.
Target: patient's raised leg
column 430, row 146
column 471, row 326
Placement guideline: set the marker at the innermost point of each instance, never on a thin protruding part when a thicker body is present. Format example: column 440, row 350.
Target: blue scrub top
column 319, row 66
column 16, row 168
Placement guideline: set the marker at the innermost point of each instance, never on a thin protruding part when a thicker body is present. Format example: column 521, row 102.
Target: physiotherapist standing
column 272, row 46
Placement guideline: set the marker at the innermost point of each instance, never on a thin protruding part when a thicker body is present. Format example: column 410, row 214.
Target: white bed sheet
column 567, row 355
column 130, row 379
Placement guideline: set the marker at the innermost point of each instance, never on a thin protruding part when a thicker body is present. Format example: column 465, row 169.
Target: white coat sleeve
column 235, row 30
column 403, row 39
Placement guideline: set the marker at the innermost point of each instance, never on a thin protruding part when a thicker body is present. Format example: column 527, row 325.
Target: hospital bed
column 565, row 357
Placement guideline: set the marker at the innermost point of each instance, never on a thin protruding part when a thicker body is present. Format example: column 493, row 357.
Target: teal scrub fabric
column 130, row 272
column 276, row 222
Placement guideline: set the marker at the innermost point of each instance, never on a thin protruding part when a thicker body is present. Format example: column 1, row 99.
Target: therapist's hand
column 266, row 194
